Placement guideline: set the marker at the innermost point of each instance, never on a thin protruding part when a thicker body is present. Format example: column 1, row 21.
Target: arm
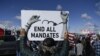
column 65, row 47
column 24, row 50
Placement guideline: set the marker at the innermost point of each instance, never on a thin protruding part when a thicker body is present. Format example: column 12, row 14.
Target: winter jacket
column 25, row 51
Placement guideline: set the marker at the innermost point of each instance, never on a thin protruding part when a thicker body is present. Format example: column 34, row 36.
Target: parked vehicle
column 7, row 44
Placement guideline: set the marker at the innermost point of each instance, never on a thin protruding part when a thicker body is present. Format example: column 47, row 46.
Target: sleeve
column 25, row 50
column 65, row 48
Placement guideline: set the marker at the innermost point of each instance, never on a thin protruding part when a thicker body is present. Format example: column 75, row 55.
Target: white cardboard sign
column 41, row 24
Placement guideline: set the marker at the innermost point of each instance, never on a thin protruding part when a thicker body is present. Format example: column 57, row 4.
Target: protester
column 72, row 51
column 79, row 47
column 24, row 48
column 72, row 45
column 87, row 46
column 50, row 48
column 97, row 46
column 46, row 48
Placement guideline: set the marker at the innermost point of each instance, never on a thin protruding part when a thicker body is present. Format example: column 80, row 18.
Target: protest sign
column 41, row 24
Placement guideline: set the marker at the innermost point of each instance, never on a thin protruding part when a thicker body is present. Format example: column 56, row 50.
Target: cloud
column 85, row 16
column 18, row 27
column 90, row 24
column 59, row 7
column 2, row 26
column 7, row 24
column 98, row 13
column 98, row 5
column 18, row 17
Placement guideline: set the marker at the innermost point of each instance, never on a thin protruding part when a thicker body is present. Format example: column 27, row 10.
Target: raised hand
column 66, row 35
column 64, row 16
column 22, row 32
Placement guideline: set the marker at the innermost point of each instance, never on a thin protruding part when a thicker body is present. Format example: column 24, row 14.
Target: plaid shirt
column 97, row 47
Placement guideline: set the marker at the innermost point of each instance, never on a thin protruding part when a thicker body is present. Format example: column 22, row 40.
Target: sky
column 81, row 12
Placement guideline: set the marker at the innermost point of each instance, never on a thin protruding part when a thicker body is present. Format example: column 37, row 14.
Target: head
column 79, row 41
column 49, row 42
column 48, row 46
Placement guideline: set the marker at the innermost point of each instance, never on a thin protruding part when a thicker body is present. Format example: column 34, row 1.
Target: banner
column 41, row 24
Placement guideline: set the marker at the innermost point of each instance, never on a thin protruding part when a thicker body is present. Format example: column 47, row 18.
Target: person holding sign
column 24, row 47
column 47, row 47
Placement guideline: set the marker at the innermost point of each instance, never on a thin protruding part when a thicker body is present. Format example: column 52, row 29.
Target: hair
column 79, row 41
column 49, row 42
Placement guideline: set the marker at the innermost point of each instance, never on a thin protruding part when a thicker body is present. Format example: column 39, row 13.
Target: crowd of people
column 70, row 46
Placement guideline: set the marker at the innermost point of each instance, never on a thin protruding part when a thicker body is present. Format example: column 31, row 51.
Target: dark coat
column 25, row 51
